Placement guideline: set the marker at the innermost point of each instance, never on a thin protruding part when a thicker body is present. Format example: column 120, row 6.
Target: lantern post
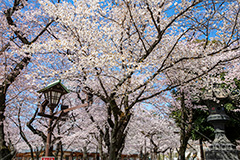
column 52, row 94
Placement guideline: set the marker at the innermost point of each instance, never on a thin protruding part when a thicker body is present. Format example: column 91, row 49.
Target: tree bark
column 85, row 156
column 116, row 143
column 170, row 154
column 4, row 150
column 186, row 127
column 118, row 133
column 201, row 148
column 183, row 143
column 182, row 148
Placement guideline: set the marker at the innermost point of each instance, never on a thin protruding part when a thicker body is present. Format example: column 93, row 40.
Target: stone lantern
column 221, row 148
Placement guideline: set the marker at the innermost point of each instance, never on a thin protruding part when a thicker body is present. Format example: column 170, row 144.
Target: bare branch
column 153, row 19
column 36, row 131
column 101, row 84
column 234, row 26
column 139, row 33
column 187, row 81
column 163, row 63
column 23, row 134
column 4, row 48
column 159, row 37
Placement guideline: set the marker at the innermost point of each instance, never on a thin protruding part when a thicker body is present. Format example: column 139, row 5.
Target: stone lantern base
column 221, row 148
column 218, row 151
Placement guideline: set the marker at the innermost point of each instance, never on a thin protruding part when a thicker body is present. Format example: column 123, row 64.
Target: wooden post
column 49, row 134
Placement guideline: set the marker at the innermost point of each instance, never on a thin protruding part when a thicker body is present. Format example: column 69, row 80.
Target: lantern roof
column 57, row 84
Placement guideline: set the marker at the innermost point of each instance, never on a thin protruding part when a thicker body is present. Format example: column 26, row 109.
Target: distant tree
column 151, row 132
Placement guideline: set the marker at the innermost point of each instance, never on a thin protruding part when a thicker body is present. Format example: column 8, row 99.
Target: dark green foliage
column 233, row 126
column 202, row 129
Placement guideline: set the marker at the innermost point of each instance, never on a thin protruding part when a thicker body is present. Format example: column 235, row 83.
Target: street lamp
column 52, row 93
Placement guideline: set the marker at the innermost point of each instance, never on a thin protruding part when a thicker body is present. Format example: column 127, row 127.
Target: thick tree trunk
column 116, row 143
column 182, row 148
column 113, row 153
column 117, row 139
column 183, row 143
column 5, row 152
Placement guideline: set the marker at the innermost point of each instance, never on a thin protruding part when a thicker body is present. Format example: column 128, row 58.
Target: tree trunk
column 5, row 152
column 183, row 143
column 85, row 156
column 117, row 139
column 182, row 148
column 113, row 153
column 116, row 143
column 170, row 154
column 201, row 148
column 186, row 127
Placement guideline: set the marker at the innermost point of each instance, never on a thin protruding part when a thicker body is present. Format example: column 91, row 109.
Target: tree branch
column 36, row 131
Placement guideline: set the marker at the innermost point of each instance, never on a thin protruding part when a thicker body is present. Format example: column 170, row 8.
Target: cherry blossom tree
column 122, row 52
column 127, row 52
column 22, row 24
column 148, row 129
column 90, row 127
